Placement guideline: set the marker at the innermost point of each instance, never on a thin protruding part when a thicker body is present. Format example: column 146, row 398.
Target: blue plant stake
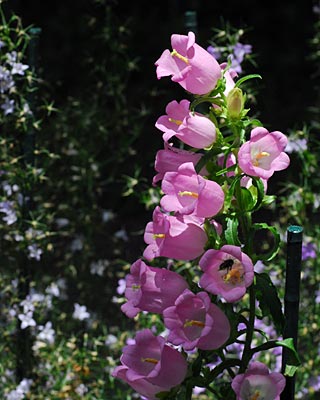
column 291, row 300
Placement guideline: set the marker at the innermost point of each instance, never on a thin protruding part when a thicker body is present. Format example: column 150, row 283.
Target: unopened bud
column 235, row 103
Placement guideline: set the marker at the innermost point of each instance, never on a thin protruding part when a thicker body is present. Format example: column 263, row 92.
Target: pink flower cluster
column 177, row 231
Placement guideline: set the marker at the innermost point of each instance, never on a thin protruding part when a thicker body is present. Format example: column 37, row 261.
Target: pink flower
column 170, row 159
column 189, row 64
column 151, row 289
column 195, row 322
column 194, row 129
column 151, row 366
column 229, row 162
column 227, row 272
column 179, row 237
column 246, row 182
column 229, row 75
column 258, row 383
column 263, row 154
column 187, row 192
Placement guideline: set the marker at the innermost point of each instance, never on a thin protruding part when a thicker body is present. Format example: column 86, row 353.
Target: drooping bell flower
column 151, row 289
column 170, row 158
column 194, row 321
column 264, row 153
column 257, row 383
column 180, row 237
column 150, row 366
column 187, row 192
column 229, row 75
column 193, row 129
column 227, row 272
column 189, row 64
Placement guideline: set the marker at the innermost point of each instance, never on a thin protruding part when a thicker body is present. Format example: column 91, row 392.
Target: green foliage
column 65, row 168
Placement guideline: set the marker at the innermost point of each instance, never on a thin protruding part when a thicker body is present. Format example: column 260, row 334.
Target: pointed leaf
column 246, row 78
column 269, row 301
column 231, row 232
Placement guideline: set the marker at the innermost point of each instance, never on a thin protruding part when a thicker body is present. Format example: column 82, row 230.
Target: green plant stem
column 245, row 225
column 247, row 353
column 210, row 389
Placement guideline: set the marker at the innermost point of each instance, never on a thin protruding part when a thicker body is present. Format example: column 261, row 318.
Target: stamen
column 255, row 396
column 187, row 193
column 150, row 360
column 234, row 276
column 175, row 121
column 135, row 287
column 258, row 157
column 159, row 235
column 194, row 323
column 262, row 154
column 174, row 53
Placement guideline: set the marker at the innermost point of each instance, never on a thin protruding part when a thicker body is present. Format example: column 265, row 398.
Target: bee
column 227, row 264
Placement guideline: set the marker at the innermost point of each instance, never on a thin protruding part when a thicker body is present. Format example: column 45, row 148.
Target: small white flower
column 122, row 234
column 27, row 320
column 36, row 297
column 80, row 312
column 34, row 251
column 76, row 244
column 46, row 333
column 18, row 68
column 25, row 385
column 81, row 389
column 111, row 340
column 62, row 222
column 27, row 304
column 107, row 215
column 53, row 290
column 98, row 267
column 121, row 286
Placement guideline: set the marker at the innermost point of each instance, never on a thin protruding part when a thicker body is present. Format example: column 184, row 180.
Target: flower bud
column 235, row 103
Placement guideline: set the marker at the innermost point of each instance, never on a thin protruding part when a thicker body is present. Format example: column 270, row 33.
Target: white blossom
column 80, row 312
column 27, row 320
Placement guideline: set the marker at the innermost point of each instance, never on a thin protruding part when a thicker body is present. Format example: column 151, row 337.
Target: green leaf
column 273, row 251
column 290, row 370
column 253, row 122
column 246, row 78
column 260, row 196
column 231, row 232
column 225, row 170
column 229, row 193
column 291, row 357
column 269, row 301
column 268, row 200
column 245, row 199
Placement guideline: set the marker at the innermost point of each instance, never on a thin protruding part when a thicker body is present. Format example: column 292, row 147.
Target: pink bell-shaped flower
column 264, row 153
column 170, row 158
column 187, row 192
column 192, row 128
column 258, row 383
column 150, row 366
column 194, row 321
column 189, row 64
column 151, row 289
column 180, row 237
column 227, row 272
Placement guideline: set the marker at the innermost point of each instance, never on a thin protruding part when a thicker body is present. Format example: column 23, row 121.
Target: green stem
column 210, row 389
column 245, row 224
column 247, row 353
